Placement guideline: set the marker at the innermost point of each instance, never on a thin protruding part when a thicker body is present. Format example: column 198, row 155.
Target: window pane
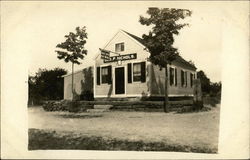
column 119, row 47
column 182, row 77
column 104, row 73
column 191, row 79
column 137, row 72
column 171, row 76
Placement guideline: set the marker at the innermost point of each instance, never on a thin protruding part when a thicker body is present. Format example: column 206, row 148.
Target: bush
column 211, row 100
column 55, row 106
column 66, row 105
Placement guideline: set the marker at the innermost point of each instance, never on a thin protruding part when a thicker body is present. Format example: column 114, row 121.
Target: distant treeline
column 209, row 88
column 46, row 85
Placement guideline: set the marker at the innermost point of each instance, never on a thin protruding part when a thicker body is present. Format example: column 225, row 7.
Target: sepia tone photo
column 122, row 76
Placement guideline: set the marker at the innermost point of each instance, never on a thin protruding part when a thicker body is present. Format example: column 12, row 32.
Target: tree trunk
column 72, row 87
column 166, row 103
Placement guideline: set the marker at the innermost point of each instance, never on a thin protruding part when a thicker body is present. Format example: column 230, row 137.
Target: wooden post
column 166, row 102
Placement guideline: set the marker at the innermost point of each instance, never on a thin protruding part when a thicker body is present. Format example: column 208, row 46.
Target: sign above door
column 105, row 55
column 121, row 58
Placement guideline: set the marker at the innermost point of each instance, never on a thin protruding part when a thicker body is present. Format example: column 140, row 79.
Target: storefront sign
column 105, row 54
column 121, row 58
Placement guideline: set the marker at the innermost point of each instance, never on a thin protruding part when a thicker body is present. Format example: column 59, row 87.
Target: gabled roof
column 135, row 37
column 178, row 58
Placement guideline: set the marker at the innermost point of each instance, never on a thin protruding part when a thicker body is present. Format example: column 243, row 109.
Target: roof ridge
column 140, row 40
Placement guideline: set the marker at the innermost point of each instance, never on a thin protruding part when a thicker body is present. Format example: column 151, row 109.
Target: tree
column 73, row 49
column 159, row 41
column 215, row 89
column 46, row 85
column 205, row 82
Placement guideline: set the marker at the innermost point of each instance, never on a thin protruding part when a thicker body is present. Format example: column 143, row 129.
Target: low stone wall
column 81, row 106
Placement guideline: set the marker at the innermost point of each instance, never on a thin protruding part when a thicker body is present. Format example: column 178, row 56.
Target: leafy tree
column 73, row 49
column 208, row 87
column 215, row 89
column 159, row 41
column 46, row 84
column 205, row 82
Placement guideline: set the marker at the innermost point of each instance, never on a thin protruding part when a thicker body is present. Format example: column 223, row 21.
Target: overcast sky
column 36, row 28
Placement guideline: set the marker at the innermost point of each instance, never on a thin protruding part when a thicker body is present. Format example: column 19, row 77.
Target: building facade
column 128, row 73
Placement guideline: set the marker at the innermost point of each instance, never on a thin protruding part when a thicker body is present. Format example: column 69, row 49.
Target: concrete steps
column 100, row 108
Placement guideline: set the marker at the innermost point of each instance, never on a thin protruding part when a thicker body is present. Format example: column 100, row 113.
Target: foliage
column 205, row 81
column 72, row 49
column 56, row 106
column 211, row 100
column 73, row 46
column 160, row 40
column 46, row 85
column 208, row 87
column 87, row 85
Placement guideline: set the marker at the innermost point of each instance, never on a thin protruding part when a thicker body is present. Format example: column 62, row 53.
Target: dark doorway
column 119, row 81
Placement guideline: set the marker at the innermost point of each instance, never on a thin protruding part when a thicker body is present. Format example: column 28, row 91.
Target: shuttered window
column 143, row 71
column 129, row 73
column 109, row 74
column 171, row 76
column 185, row 78
column 136, row 72
column 98, row 75
column 175, row 75
column 106, row 75
column 182, row 78
column 191, row 79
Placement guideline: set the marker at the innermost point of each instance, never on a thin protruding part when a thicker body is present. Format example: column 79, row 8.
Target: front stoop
column 100, row 108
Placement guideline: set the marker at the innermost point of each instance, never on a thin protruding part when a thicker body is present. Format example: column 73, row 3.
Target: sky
column 37, row 27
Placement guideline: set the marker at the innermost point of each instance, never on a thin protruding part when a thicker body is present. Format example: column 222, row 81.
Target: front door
column 119, row 81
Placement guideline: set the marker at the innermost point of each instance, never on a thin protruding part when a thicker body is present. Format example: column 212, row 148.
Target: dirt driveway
column 195, row 129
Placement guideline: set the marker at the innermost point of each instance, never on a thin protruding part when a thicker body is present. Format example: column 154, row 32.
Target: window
column 136, row 72
column 191, row 80
column 185, row 78
column 171, row 76
column 182, row 78
column 175, row 76
column 119, row 47
column 104, row 74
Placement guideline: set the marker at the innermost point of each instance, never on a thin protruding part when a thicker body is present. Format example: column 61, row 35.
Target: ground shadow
column 79, row 116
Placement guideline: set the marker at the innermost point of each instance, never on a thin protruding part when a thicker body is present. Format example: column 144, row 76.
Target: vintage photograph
column 123, row 76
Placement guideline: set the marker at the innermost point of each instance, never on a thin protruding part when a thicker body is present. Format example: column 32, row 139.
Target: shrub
column 55, row 106
column 211, row 100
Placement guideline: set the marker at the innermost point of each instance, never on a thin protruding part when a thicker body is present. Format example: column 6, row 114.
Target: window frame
column 121, row 48
column 173, row 84
column 133, row 79
column 191, row 79
column 185, row 78
column 101, row 75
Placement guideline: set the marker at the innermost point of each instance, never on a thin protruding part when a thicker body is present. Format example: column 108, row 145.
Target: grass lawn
column 117, row 130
